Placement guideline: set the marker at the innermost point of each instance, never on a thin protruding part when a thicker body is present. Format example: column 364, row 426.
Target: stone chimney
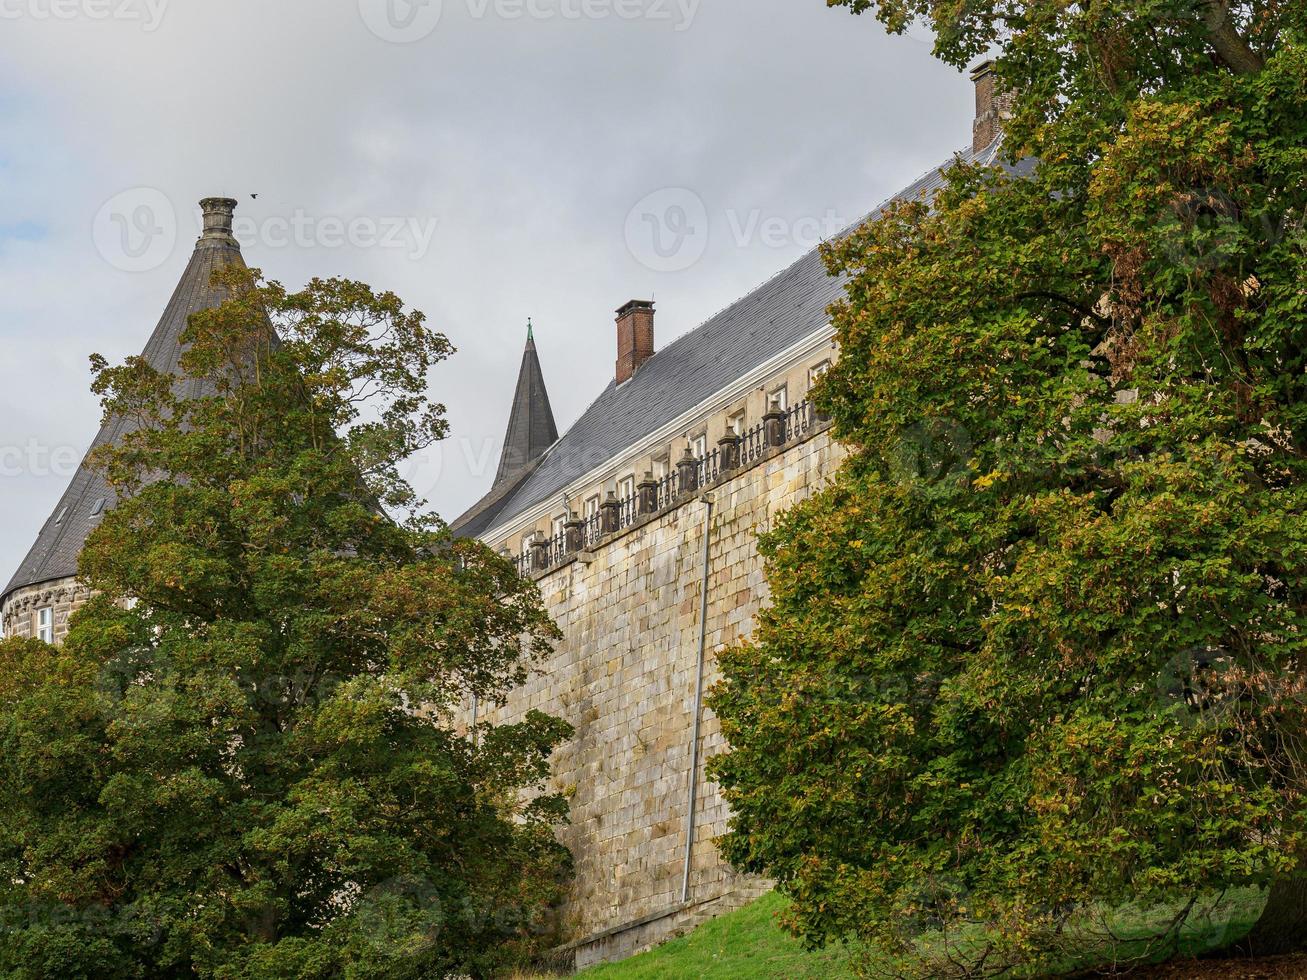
column 218, row 212
column 992, row 106
column 635, row 337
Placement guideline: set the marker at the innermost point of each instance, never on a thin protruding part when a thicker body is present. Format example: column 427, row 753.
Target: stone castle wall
column 64, row 596
column 624, row 677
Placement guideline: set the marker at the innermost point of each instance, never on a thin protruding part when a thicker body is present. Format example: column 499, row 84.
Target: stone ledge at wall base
column 645, row 933
column 586, row 555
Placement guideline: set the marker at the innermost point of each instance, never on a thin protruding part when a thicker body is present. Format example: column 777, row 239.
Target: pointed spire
column 531, row 428
column 59, row 542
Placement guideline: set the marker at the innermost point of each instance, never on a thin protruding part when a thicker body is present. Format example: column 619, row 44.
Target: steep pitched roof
column 776, row 316
column 54, row 555
column 531, row 428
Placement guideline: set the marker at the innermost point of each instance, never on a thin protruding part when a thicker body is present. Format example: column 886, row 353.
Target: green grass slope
column 748, row 944
column 743, row 945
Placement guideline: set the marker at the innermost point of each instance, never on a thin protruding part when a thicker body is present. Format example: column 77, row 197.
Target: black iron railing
column 776, row 429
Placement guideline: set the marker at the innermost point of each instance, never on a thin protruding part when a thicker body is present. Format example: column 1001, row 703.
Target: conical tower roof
column 54, row 555
column 531, row 428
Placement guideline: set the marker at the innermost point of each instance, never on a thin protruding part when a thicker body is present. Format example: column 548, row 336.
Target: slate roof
column 54, row 555
column 531, row 428
column 776, row 316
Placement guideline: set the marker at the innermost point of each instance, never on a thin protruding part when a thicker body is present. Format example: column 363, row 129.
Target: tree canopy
column 244, row 760
column 1038, row 649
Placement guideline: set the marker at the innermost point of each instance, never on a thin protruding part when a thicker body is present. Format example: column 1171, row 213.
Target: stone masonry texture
column 624, row 677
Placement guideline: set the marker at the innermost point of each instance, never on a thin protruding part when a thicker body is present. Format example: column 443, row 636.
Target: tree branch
column 1226, row 40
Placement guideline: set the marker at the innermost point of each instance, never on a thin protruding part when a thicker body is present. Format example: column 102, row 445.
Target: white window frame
column 591, row 506
column 699, row 445
column 816, row 371
column 661, row 467
column 736, row 424
column 560, row 525
column 626, row 487
column 44, row 618
column 778, row 399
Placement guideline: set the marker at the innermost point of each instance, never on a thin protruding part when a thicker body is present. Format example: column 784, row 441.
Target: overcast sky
column 488, row 160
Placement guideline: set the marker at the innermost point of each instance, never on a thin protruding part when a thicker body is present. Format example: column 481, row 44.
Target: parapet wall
column 624, row 677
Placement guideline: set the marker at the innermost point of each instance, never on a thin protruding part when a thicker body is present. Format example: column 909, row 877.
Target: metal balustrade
column 752, row 445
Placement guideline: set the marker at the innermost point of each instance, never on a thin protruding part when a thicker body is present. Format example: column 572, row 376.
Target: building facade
column 640, row 527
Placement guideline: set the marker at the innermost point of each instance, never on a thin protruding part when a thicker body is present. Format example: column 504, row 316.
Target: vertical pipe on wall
column 698, row 699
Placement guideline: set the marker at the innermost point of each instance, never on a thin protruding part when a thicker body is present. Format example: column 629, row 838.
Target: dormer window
column 778, row 400
column 60, row 519
column 98, row 509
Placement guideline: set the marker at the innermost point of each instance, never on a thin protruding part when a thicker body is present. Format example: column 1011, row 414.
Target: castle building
column 639, row 525
column 44, row 591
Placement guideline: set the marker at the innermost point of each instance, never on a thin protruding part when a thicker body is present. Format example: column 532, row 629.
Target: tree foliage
column 243, row 761
column 1039, row 648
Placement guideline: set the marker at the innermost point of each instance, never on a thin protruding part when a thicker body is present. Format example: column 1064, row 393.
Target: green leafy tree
column 1038, row 650
column 243, row 763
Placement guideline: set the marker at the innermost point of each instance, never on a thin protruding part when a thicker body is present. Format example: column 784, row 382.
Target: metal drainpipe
column 698, row 699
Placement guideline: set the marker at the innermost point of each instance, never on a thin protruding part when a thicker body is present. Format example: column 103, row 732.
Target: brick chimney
column 635, row 337
column 992, row 106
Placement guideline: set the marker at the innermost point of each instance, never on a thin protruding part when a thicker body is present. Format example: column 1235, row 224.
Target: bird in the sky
column 254, row 197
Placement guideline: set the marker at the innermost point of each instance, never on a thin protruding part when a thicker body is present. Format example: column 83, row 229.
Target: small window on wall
column 45, row 624
column 560, row 524
column 778, row 400
column 735, row 424
column 592, row 506
column 816, row 371
column 661, row 467
column 699, row 445
column 626, row 488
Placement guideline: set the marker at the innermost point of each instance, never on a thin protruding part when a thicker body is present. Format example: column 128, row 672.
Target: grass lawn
column 743, row 945
column 749, row 945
